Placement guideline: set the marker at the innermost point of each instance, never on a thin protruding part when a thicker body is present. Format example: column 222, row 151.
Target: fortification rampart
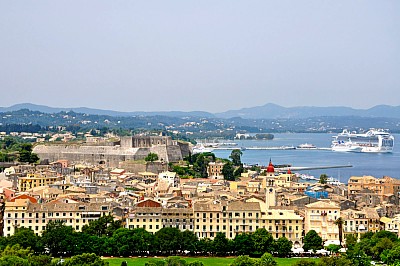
column 108, row 155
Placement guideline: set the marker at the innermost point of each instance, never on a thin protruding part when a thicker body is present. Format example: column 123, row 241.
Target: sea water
column 374, row 164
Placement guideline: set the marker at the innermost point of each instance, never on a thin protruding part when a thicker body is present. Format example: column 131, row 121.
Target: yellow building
column 321, row 216
column 35, row 180
column 243, row 217
column 148, row 218
column 283, row 223
column 23, row 213
column 210, row 218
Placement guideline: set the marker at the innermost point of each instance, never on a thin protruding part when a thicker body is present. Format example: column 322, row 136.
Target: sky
column 199, row 55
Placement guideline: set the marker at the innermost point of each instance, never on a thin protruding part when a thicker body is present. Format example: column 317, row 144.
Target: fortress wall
column 109, row 155
column 174, row 153
column 185, row 149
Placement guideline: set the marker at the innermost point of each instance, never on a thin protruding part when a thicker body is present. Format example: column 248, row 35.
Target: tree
column 104, row 226
column 243, row 261
column 266, row 260
column 220, row 244
column 243, row 244
column 26, row 238
column 26, row 155
column 358, row 257
column 333, row 248
column 339, row 222
column 335, row 261
column 168, row 240
column 236, row 157
column 263, row 241
column 312, row 241
column 189, row 241
column 323, row 179
column 382, row 245
column 151, row 157
column 283, row 246
column 175, row 261
column 123, row 242
column 351, row 240
column 205, row 246
column 85, row 259
column 58, row 238
column 391, row 255
column 238, row 171
column 200, row 163
column 228, row 171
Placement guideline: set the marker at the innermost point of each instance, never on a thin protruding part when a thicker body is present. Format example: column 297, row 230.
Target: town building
column 35, row 216
column 320, row 216
column 35, row 180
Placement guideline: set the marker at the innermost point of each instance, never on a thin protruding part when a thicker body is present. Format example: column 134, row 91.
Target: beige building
column 208, row 217
column 391, row 224
column 378, row 186
column 321, row 216
column 355, row 222
column 23, row 213
column 214, row 170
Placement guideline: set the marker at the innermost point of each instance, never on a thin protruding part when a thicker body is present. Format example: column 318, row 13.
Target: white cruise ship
column 375, row 141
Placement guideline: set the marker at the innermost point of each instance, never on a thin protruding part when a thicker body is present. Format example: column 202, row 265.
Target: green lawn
column 211, row 261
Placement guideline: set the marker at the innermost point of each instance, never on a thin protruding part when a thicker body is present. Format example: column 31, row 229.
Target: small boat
column 333, row 181
column 306, row 146
column 307, row 177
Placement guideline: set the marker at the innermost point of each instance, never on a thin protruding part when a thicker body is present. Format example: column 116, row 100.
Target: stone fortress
column 129, row 148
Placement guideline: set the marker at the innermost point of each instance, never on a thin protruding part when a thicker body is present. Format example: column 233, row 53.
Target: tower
column 270, row 190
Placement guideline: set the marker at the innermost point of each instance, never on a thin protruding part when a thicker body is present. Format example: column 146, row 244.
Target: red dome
column 270, row 168
column 289, row 172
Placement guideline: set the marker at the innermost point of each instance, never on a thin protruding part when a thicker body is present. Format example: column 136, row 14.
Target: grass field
column 211, row 261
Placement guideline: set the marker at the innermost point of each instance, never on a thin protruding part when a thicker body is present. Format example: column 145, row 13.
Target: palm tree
column 339, row 222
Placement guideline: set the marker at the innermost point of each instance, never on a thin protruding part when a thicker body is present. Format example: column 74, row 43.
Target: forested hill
column 267, row 111
column 30, row 121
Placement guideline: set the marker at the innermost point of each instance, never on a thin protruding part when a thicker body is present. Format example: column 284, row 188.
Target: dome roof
column 270, row 168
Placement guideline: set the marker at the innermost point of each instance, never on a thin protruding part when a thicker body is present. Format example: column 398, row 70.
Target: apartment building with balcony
column 24, row 213
column 210, row 217
column 283, row 223
column 355, row 222
column 148, row 218
column 321, row 216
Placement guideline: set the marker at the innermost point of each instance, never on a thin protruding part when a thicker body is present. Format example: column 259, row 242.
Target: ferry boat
column 306, row 146
column 374, row 141
column 200, row 149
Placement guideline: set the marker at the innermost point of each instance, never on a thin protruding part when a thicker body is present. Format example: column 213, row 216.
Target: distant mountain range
column 267, row 111
column 93, row 111
column 278, row 112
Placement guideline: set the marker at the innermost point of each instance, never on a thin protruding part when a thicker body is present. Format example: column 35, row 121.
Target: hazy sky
column 199, row 55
